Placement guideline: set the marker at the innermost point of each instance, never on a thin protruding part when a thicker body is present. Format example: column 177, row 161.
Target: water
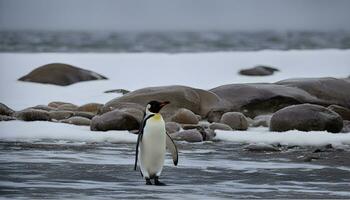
column 62, row 169
column 171, row 42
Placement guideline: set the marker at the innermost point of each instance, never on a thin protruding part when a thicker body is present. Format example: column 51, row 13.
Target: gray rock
column 120, row 106
column 60, row 114
column 306, row 117
column 219, row 126
column 55, row 104
column 191, row 126
column 342, row 111
column 80, row 121
column 346, row 126
column 188, row 136
column 261, row 147
column 258, row 71
column 330, row 90
column 32, row 115
column 198, row 101
column 91, row 108
column 60, row 74
column 121, row 119
column 44, row 107
column 122, row 91
column 258, row 99
column 6, row 118
column 88, row 115
column 184, row 116
column 235, row 120
column 262, row 120
column 4, row 110
column 68, row 107
column 172, row 127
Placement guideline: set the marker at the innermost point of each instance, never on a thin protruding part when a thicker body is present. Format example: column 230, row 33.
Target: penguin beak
column 164, row 103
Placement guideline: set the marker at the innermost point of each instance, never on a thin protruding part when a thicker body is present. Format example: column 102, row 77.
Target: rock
column 88, row 115
column 4, row 110
column 306, row 117
column 207, row 134
column 330, row 90
column 32, row 115
column 188, row 136
column 190, row 126
column 55, row 104
column 80, row 121
column 68, row 107
column 342, row 111
column 44, row 107
column 184, row 116
column 262, row 120
column 121, row 105
column 122, row 91
column 235, row 120
column 6, row 118
column 219, row 126
column 258, row 99
column 60, row 74
column 60, row 114
column 121, row 119
column 261, row 147
column 91, row 107
column 172, row 127
column 258, row 71
column 198, row 101
column 346, row 126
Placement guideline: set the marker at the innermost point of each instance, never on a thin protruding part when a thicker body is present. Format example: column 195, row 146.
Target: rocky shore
column 305, row 104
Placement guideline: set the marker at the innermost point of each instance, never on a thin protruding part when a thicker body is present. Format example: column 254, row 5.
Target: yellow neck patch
column 157, row 116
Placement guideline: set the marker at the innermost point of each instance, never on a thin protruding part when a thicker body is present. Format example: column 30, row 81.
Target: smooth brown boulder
column 198, row 101
column 88, row 115
column 172, row 127
column 342, row 111
column 60, row 114
column 184, row 116
column 306, row 117
column 90, row 107
column 117, row 120
column 55, row 104
column 219, row 126
column 33, row 115
column 60, row 74
column 330, row 90
column 44, row 107
column 76, row 120
column 235, row 120
column 257, row 99
column 67, row 107
column 5, row 110
column 192, row 135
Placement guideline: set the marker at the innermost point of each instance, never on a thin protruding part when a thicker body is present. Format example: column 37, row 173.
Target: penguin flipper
column 170, row 144
column 139, row 138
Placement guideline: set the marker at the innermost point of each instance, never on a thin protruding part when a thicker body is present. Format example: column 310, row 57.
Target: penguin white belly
column 153, row 147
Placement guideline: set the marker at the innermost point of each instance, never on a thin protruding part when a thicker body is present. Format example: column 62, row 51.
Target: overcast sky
column 146, row 15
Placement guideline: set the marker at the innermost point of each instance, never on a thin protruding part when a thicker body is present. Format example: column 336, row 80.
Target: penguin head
column 155, row 106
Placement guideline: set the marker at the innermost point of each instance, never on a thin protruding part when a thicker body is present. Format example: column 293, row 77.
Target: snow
column 132, row 71
column 40, row 130
column 137, row 70
column 289, row 138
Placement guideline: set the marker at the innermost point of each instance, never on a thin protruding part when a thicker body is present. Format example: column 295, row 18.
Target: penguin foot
column 148, row 181
column 157, row 182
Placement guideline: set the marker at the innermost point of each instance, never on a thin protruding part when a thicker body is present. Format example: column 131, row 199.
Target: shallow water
column 173, row 42
column 61, row 169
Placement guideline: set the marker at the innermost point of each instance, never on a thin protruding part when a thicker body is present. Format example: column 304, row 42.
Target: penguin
column 152, row 142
